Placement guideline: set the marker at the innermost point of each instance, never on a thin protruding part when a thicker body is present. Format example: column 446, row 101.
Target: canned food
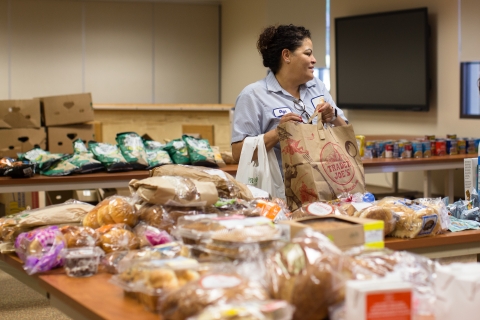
column 440, row 147
column 430, row 137
column 417, row 149
column 407, row 153
column 426, row 149
column 395, row 150
column 380, row 145
column 451, row 147
column 462, row 146
column 389, row 150
column 370, row 145
column 433, row 147
column 451, row 136
column 471, row 146
column 477, row 141
column 401, row 150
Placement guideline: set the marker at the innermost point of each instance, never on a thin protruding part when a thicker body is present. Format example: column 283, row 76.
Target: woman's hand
column 328, row 112
column 290, row 117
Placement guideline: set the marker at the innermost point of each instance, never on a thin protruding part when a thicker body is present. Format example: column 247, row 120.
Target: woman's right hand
column 290, row 117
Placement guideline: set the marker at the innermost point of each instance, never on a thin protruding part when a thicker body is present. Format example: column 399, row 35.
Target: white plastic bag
column 265, row 172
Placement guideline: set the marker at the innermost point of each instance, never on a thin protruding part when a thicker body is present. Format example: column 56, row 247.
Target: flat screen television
column 381, row 61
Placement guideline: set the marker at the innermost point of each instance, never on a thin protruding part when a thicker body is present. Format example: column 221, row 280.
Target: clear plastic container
column 83, row 261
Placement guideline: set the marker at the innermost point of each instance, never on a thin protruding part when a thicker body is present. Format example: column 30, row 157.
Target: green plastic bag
column 83, row 159
column 177, row 150
column 133, row 150
column 156, row 154
column 110, row 156
column 200, row 152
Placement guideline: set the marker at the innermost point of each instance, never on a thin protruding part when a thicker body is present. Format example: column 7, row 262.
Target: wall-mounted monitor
column 382, row 60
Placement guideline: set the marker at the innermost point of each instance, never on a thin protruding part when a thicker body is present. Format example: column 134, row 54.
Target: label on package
column 319, row 209
column 428, row 224
column 389, row 306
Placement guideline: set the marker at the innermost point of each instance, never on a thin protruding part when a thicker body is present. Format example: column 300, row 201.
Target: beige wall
column 470, row 29
column 122, row 52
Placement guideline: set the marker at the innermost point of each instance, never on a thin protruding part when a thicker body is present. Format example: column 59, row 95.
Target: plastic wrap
column 84, row 159
column 114, row 209
column 247, row 310
column 156, row 154
column 155, row 215
column 417, row 218
column 197, row 228
column 200, row 152
column 312, row 210
column 82, row 262
column 389, row 217
column 132, row 149
column 218, row 156
column 43, row 159
column 151, row 236
column 149, row 280
column 20, row 169
column 210, row 289
column 117, row 237
column 40, row 249
column 226, row 185
column 76, row 236
column 62, row 167
column 177, row 150
column 175, row 191
column 275, row 210
column 238, row 207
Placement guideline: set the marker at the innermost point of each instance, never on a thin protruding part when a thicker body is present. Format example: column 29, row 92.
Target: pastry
column 79, row 236
column 118, row 239
column 381, row 213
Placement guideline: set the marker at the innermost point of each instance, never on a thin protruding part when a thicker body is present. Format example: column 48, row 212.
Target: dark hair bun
column 265, row 39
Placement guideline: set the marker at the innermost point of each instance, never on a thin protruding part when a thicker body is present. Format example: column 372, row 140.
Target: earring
column 287, row 61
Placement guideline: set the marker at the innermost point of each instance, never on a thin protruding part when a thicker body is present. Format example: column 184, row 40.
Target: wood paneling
column 46, row 52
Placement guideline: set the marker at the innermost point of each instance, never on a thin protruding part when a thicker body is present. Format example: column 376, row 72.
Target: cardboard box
column 15, row 141
column 68, row 109
column 354, row 232
column 90, row 196
column 21, row 113
column 58, row 197
column 15, row 202
column 60, row 139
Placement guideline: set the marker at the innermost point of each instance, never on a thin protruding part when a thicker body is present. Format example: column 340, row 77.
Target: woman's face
column 303, row 61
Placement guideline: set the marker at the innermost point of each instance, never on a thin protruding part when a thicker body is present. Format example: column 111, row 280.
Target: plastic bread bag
column 177, row 149
column 151, row 236
column 9, row 231
column 248, row 310
column 40, row 249
column 388, row 216
column 193, row 229
column 117, row 237
column 156, row 154
column 200, row 152
column 218, row 156
column 275, row 210
column 156, row 216
column 110, row 156
column 175, row 191
column 111, row 210
column 133, row 150
column 212, row 288
column 228, row 207
column 416, row 219
column 309, row 273
column 149, row 280
column 76, row 236
column 225, row 183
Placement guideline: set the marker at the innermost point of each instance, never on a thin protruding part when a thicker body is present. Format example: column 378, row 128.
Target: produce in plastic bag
column 151, row 236
column 117, row 237
column 133, row 150
column 248, row 310
column 42, row 158
column 178, row 152
column 110, row 156
column 200, row 152
column 40, row 249
column 417, row 218
column 62, row 167
column 111, row 210
column 226, row 185
column 84, row 159
column 174, row 191
column 210, row 289
column 76, row 236
column 156, row 154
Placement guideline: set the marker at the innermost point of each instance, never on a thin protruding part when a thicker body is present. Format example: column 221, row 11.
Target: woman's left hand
column 328, row 112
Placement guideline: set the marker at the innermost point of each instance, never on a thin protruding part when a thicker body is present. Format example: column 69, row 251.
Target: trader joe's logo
column 336, row 164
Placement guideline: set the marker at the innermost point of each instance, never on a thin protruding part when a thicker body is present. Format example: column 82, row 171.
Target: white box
column 456, row 288
column 469, row 176
column 385, row 298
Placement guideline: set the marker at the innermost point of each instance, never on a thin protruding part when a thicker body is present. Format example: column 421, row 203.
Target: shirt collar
column 274, row 86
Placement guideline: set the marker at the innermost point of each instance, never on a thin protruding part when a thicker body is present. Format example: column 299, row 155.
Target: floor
column 19, row 302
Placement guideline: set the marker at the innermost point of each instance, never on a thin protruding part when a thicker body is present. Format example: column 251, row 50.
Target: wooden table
column 95, row 298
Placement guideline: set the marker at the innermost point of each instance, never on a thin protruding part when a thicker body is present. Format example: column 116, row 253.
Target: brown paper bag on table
column 319, row 162
column 175, row 191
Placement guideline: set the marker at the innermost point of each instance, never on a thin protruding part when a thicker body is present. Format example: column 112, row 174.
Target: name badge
column 317, row 100
column 280, row 112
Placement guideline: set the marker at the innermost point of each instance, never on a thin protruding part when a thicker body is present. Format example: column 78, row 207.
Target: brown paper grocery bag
column 319, row 162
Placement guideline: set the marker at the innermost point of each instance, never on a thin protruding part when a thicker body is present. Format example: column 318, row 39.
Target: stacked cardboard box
column 20, row 127
column 67, row 118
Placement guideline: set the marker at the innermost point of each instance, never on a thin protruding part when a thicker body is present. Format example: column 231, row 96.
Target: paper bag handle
column 317, row 114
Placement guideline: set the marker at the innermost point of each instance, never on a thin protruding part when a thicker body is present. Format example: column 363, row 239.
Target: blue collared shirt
column 260, row 106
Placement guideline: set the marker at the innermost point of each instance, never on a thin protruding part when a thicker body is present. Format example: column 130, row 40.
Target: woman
column 289, row 92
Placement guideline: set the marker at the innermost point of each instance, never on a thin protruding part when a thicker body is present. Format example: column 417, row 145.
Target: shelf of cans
column 419, row 148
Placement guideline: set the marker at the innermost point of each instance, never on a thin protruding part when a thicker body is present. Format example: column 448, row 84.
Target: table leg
column 427, row 185
column 449, row 186
column 395, row 182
